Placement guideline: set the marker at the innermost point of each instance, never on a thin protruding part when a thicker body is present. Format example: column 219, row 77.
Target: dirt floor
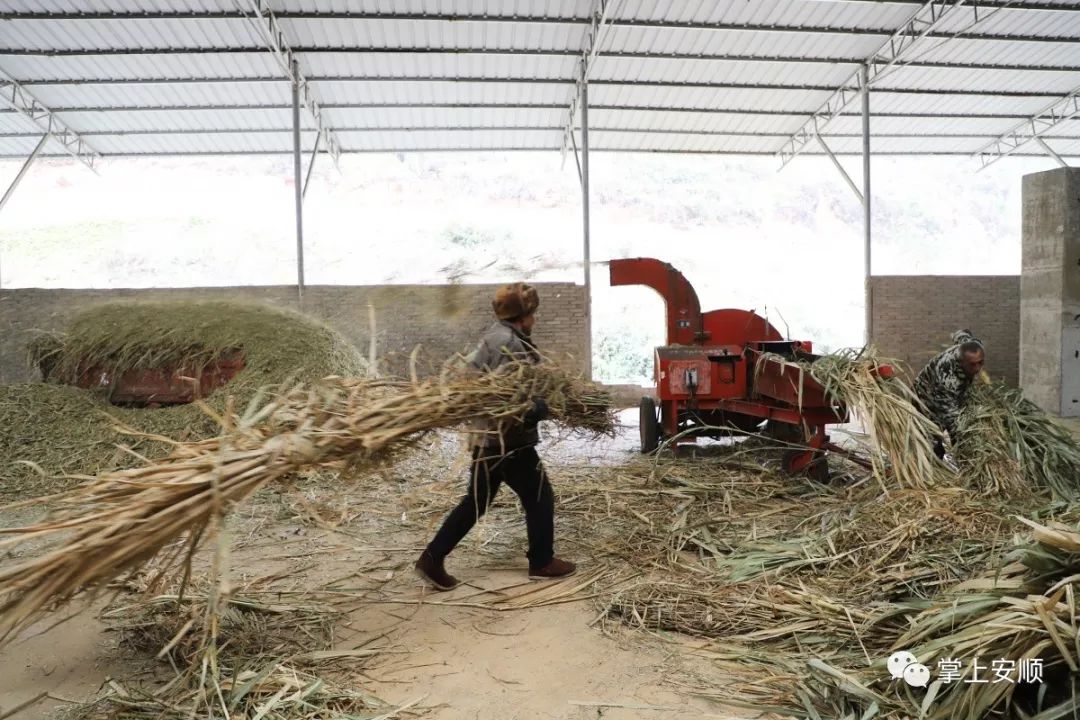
column 500, row 646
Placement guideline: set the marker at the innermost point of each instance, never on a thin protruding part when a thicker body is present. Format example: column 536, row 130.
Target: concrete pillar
column 1050, row 291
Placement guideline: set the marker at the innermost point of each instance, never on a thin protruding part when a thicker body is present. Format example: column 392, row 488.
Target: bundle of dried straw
column 117, row 521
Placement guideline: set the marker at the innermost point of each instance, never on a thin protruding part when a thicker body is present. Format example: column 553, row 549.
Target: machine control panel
column 689, row 377
column 698, row 371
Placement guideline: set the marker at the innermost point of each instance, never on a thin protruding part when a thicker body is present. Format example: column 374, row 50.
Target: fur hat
column 515, row 301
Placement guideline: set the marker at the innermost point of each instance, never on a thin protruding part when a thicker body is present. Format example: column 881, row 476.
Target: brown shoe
column 555, row 569
column 434, row 573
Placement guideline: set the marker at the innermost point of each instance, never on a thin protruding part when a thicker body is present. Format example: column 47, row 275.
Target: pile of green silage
column 53, row 429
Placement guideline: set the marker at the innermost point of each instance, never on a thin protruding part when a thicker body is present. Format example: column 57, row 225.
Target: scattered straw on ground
column 274, row 691
column 805, row 590
column 798, row 591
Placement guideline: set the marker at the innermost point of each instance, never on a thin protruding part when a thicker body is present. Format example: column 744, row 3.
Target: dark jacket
column 503, row 343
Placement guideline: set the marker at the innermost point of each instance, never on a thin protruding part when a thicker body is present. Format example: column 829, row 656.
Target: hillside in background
column 786, row 244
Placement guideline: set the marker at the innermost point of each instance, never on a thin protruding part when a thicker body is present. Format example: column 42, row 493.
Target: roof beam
column 22, row 171
column 597, row 25
column 883, row 59
column 710, row 110
column 627, row 23
column 516, row 128
column 526, row 81
column 521, row 148
column 989, row 4
column 15, row 96
column 891, row 53
column 270, row 30
column 843, row 173
column 1033, row 128
column 1051, row 152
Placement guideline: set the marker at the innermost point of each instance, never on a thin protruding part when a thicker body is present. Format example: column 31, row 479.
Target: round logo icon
column 917, row 675
column 898, row 661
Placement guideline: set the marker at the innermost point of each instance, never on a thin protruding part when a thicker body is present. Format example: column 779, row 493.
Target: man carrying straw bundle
column 504, row 451
column 943, row 384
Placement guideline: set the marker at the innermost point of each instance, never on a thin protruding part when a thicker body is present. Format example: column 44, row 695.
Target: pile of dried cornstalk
column 116, row 522
column 1008, row 445
column 991, row 626
column 803, row 591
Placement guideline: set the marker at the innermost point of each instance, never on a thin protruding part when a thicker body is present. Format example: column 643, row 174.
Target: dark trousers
column 524, row 473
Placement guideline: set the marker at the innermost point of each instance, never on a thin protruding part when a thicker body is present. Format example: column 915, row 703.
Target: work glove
column 539, row 411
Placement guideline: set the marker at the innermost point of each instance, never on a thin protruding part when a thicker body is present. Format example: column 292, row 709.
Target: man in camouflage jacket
column 943, row 384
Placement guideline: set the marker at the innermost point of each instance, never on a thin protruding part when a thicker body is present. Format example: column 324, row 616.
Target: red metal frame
column 163, row 386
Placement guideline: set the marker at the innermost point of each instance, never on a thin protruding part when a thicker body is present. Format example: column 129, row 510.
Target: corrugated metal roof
column 112, row 6
column 804, row 101
column 1070, row 147
column 193, row 76
column 248, row 142
column 180, row 120
column 494, row 8
column 693, row 41
column 664, row 70
column 982, row 81
column 49, row 35
column 951, row 105
column 785, row 12
column 714, row 122
column 20, row 147
column 682, row 143
column 417, row 93
column 391, row 140
column 995, row 52
column 424, row 65
column 151, row 95
column 893, row 145
column 1017, row 23
column 395, row 117
column 353, row 33
column 36, row 68
column 16, row 123
column 893, row 125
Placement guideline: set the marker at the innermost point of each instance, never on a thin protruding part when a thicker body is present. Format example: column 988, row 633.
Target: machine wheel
column 817, row 469
column 785, row 432
column 649, row 425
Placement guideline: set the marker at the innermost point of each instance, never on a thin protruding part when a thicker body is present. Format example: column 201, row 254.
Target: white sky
column 746, row 234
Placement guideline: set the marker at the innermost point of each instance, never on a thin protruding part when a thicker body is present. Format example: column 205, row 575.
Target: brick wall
column 442, row 319
column 914, row 315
